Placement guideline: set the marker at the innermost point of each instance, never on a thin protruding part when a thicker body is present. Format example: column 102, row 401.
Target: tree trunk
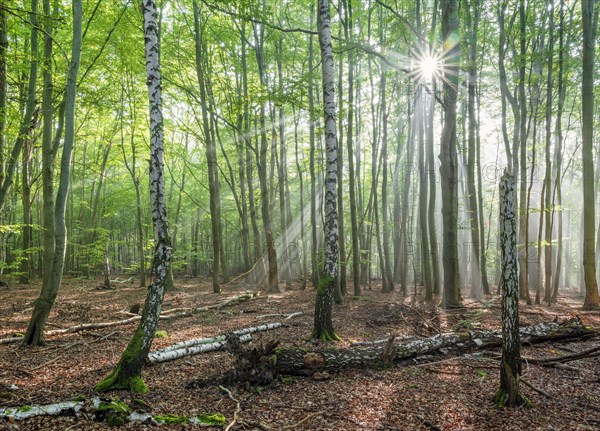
column 423, row 219
column 304, row 271
column 592, row 300
column 350, row 151
column 282, row 174
column 3, row 87
column 313, row 174
column 557, row 202
column 523, row 214
column 548, row 175
column 433, row 247
column 323, row 326
column 448, row 157
column 387, row 272
column 8, row 167
column 476, row 266
column 302, row 362
column 510, row 369
column 127, row 373
column 211, row 155
column 55, row 255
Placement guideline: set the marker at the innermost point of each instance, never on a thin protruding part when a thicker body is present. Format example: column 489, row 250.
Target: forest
column 329, row 214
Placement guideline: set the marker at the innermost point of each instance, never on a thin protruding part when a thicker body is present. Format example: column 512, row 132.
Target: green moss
column 24, row 409
column 481, row 373
column 328, row 336
column 288, row 380
column 324, row 283
column 172, row 419
column 115, row 380
column 115, row 405
column 161, row 334
column 137, row 385
column 115, row 420
column 79, row 398
column 501, row 400
column 211, row 419
column 116, row 412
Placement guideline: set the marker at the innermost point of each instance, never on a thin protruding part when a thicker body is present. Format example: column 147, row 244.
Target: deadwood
column 261, row 364
column 174, row 313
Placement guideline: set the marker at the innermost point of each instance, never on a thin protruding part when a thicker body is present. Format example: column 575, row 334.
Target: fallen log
column 166, row 315
column 263, row 364
column 301, row 362
column 113, row 411
column 203, row 345
column 176, row 313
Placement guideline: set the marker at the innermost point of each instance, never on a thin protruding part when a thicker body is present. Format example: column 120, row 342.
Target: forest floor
column 433, row 393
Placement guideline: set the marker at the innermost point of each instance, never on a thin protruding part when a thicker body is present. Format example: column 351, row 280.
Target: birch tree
column 127, row 373
column 510, row 368
column 323, row 327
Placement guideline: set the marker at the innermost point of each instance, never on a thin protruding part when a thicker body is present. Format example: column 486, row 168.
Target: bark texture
column 592, row 300
column 510, row 369
column 127, row 373
column 323, row 326
column 448, row 156
column 55, row 237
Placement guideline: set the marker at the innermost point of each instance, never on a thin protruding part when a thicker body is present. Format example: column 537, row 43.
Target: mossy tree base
column 503, row 398
column 116, row 380
column 325, row 336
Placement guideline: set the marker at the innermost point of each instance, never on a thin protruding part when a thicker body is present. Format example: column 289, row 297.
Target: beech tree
column 590, row 17
column 448, row 155
column 55, row 242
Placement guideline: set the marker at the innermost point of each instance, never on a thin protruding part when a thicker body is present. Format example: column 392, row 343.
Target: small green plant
column 288, row 380
column 482, row 374
column 161, row 334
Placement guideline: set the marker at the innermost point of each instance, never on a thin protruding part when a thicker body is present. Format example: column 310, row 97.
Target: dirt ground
column 437, row 393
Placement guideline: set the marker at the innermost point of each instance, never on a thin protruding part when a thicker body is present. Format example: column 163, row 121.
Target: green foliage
column 116, row 412
column 482, row 374
column 288, row 380
column 172, row 419
column 211, row 419
column 161, row 334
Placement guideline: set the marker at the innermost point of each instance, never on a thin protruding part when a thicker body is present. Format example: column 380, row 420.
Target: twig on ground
column 297, row 424
column 589, row 353
column 51, row 361
column 237, row 408
column 538, row 390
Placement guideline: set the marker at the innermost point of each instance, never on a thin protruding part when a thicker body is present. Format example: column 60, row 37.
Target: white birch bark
column 127, row 374
column 323, row 327
column 510, row 369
